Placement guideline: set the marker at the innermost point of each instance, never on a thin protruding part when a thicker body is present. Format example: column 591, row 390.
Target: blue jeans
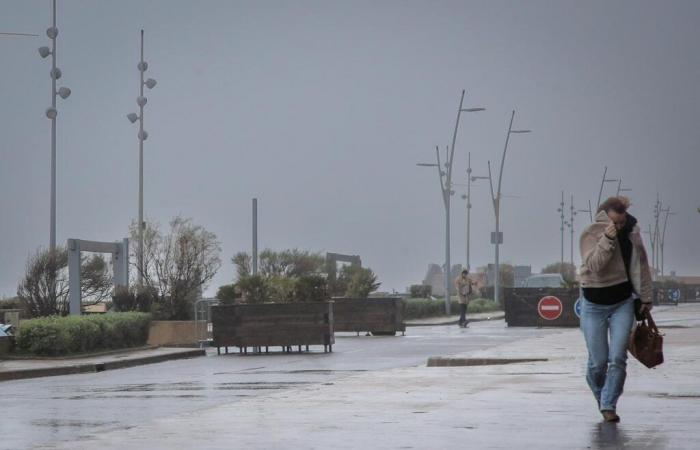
column 607, row 359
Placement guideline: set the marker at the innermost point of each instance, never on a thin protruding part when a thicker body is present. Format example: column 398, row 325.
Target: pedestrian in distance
column 615, row 276
column 464, row 287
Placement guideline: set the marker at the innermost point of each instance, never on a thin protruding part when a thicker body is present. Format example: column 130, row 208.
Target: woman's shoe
column 610, row 416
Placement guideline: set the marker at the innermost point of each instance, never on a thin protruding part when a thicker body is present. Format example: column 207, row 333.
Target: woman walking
column 614, row 273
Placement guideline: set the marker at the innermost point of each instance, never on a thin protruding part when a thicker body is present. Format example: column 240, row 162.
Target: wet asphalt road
column 44, row 411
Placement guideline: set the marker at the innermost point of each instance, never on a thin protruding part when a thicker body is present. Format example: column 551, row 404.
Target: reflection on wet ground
column 45, row 411
column 608, row 436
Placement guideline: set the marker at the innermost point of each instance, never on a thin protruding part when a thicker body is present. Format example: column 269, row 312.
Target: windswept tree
column 567, row 271
column 44, row 290
column 285, row 263
column 177, row 266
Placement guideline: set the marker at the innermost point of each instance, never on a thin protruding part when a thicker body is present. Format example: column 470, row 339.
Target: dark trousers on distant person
column 462, row 313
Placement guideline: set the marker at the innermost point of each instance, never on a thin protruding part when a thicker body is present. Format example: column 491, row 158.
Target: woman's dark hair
column 618, row 204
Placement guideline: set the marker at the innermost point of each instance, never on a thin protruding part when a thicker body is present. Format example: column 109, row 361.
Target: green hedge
column 55, row 336
column 418, row 308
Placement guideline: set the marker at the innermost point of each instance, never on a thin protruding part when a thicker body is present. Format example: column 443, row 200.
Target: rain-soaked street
column 46, row 411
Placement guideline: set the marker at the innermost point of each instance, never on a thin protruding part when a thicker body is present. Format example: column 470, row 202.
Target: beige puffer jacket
column 602, row 260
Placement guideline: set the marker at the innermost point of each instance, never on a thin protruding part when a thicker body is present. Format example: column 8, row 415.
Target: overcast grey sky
column 321, row 109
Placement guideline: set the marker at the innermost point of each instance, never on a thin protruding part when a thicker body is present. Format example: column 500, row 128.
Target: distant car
column 549, row 280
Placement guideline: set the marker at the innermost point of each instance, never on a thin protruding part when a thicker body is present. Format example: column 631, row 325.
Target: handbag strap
column 651, row 322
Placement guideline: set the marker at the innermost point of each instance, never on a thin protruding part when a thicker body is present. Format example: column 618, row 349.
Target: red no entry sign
column 550, row 307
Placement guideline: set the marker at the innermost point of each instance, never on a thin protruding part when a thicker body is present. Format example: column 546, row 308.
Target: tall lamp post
column 447, row 192
column 602, row 183
column 143, row 135
column 51, row 113
column 570, row 224
column 589, row 211
column 663, row 237
column 560, row 210
column 496, row 198
column 468, row 197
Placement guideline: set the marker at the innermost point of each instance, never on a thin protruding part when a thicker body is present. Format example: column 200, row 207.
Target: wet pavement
column 534, row 405
column 64, row 410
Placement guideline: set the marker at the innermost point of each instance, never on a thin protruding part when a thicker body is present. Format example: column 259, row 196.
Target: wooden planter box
column 267, row 325
column 379, row 316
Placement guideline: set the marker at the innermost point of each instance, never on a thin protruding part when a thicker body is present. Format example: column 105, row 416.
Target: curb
column 96, row 367
column 455, row 322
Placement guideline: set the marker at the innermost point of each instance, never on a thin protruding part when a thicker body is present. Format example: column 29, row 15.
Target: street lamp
column 589, row 211
column 560, row 210
column 620, row 188
column 663, row 237
column 141, row 101
column 602, row 183
column 570, row 224
column 468, row 197
column 445, row 177
column 52, row 113
column 496, row 239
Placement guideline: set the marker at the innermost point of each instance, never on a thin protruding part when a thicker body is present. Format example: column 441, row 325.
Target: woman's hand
column 646, row 307
column 611, row 231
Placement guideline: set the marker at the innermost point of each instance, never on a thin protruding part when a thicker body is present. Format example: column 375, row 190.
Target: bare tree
column 178, row 265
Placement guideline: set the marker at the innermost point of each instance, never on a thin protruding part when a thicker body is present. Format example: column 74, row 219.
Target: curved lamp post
column 496, row 198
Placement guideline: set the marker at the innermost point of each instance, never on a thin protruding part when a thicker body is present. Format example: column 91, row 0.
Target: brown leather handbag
column 646, row 342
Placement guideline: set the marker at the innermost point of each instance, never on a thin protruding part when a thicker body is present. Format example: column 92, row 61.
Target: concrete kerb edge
column 96, row 367
column 498, row 316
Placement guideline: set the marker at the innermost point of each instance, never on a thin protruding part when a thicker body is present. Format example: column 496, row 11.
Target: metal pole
column 52, row 236
column 561, row 210
column 141, row 136
column 255, row 236
column 497, row 210
column 663, row 238
column 602, row 182
column 573, row 213
column 469, row 203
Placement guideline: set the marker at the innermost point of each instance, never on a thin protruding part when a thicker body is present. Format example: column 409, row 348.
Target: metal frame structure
column 120, row 263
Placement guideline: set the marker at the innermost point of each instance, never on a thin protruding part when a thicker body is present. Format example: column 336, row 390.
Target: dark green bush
column 55, row 336
column 311, row 288
column 421, row 290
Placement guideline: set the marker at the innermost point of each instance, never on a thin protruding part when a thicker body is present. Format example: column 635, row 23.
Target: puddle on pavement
column 675, row 396
column 463, row 362
column 183, row 390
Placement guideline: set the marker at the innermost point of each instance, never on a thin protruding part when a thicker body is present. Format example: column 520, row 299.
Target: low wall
column 273, row 325
column 172, row 332
column 377, row 315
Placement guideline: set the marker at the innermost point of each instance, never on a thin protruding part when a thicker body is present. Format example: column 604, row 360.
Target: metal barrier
column 202, row 320
column 541, row 307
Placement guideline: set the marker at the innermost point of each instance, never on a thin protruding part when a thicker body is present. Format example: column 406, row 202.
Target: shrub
column 281, row 289
column 254, row 289
column 311, row 288
column 421, row 290
column 228, row 294
column 54, row 335
column 125, row 300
